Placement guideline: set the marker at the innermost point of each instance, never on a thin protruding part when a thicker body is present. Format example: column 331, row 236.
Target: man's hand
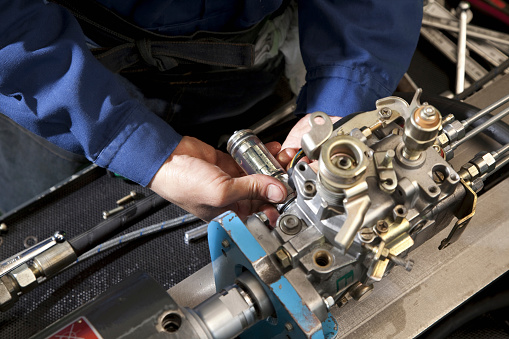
column 292, row 143
column 208, row 182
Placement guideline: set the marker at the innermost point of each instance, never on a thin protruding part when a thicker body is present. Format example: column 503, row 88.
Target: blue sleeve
column 52, row 85
column 355, row 51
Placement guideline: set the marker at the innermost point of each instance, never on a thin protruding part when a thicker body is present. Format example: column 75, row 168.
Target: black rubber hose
column 499, row 131
column 116, row 223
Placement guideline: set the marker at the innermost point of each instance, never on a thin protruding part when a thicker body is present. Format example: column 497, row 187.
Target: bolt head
column 366, row 234
column 291, row 222
column 385, row 113
column 329, row 302
column 283, row 258
column 289, row 327
column 428, row 113
column 225, row 243
column 382, row 226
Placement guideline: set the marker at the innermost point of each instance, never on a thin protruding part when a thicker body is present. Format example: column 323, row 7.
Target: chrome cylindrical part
column 342, row 164
column 254, row 158
column 420, row 131
column 55, row 259
column 231, row 311
column 252, row 155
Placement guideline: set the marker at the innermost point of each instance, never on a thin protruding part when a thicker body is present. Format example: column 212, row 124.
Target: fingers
column 273, row 147
column 253, row 187
column 271, row 213
column 285, row 156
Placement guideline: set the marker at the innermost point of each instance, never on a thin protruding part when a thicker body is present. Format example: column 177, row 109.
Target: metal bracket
column 464, row 214
column 386, row 174
column 356, row 204
column 319, row 133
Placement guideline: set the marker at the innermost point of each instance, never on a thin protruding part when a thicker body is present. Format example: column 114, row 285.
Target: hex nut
column 8, row 293
column 25, row 277
column 490, row 161
column 471, row 169
column 283, row 258
column 442, row 140
column 329, row 302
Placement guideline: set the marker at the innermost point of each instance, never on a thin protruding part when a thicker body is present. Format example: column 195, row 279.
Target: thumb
column 256, row 187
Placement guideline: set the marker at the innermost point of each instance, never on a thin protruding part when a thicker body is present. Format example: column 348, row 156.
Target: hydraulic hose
column 116, row 224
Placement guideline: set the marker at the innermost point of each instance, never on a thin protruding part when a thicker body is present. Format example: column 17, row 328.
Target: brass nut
column 442, row 140
column 283, row 258
column 471, row 169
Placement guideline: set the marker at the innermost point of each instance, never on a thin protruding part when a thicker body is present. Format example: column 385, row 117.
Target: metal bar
column 196, row 233
column 501, row 151
column 472, row 31
column 472, row 68
column 483, row 81
column 480, row 128
column 275, row 117
column 19, row 259
column 485, row 49
column 467, row 122
column 462, row 47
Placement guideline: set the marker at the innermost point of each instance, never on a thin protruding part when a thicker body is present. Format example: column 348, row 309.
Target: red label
column 78, row 329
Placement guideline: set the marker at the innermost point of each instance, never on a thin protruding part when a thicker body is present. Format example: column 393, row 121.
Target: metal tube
column 196, row 233
column 462, row 47
column 501, row 151
column 480, row 128
column 467, row 122
column 500, row 163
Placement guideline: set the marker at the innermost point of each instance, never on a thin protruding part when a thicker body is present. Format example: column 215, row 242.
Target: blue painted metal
column 243, row 252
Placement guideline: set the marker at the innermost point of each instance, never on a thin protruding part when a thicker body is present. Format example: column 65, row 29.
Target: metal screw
column 3, row 228
column 225, row 243
column 382, row 226
column 389, row 155
column 107, row 214
column 385, row 113
column 407, row 264
column 309, row 189
column 366, row 234
column 132, row 195
column 289, row 327
column 290, row 224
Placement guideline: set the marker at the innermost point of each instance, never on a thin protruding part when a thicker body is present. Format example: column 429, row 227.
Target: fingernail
column 274, row 193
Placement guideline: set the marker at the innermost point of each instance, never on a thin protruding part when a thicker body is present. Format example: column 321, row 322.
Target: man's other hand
column 292, row 143
column 208, row 182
